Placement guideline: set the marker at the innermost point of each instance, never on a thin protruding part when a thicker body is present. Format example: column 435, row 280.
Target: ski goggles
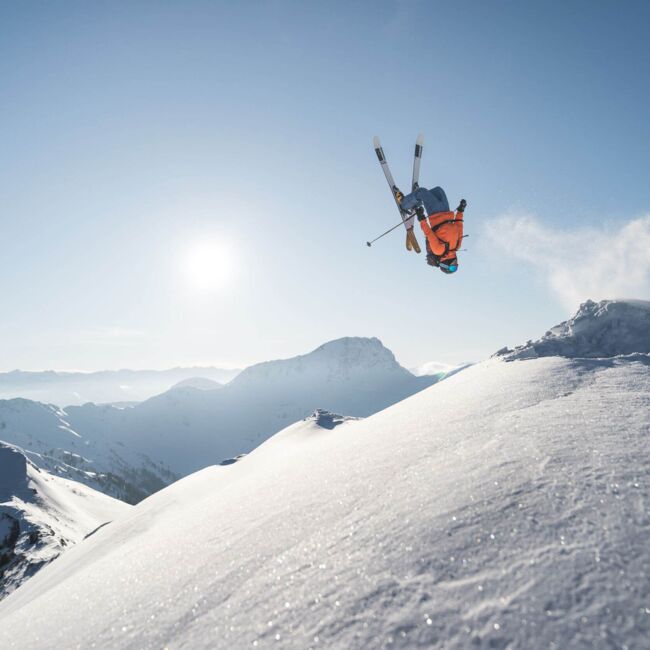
column 450, row 268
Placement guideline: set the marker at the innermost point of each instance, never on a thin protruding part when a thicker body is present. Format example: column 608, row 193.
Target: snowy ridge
column 339, row 360
column 41, row 516
column 480, row 512
column 598, row 330
column 51, row 442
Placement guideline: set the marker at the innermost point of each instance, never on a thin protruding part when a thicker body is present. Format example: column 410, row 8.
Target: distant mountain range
column 134, row 451
column 190, row 428
column 106, row 386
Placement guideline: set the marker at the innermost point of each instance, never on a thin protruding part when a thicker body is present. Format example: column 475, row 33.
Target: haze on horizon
column 193, row 183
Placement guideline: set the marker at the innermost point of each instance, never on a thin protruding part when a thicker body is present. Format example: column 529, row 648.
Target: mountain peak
column 338, row 359
column 357, row 350
column 347, row 342
column 602, row 329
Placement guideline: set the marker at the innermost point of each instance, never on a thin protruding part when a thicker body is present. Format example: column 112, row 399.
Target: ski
column 386, row 169
column 407, row 219
column 417, row 158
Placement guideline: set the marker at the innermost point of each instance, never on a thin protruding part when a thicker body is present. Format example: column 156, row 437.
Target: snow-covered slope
column 190, row 429
column 605, row 329
column 506, row 507
column 107, row 386
column 41, row 515
column 46, row 436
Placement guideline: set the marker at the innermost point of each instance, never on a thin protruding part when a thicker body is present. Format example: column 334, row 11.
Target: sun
column 209, row 265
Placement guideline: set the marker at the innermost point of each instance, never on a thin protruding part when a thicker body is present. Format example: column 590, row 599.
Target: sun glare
column 208, row 266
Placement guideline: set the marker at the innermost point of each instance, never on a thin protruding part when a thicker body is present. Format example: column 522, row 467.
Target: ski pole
column 397, row 225
column 370, row 243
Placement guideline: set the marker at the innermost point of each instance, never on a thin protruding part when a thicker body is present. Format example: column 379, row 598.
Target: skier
column 443, row 229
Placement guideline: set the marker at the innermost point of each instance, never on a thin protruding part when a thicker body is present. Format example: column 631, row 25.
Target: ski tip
column 420, row 139
column 376, row 142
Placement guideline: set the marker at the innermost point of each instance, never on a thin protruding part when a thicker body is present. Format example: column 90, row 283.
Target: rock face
column 598, row 330
column 13, row 478
column 327, row 420
column 13, row 471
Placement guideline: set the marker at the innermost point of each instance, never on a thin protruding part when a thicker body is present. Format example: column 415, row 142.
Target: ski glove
column 420, row 213
column 461, row 207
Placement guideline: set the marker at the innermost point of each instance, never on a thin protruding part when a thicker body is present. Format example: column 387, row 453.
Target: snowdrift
column 504, row 507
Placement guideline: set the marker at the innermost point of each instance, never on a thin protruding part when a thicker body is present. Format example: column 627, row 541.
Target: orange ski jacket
column 444, row 233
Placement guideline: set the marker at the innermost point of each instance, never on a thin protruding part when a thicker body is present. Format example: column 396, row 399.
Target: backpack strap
column 458, row 242
column 442, row 223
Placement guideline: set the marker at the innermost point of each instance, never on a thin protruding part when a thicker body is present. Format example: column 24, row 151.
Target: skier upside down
column 443, row 229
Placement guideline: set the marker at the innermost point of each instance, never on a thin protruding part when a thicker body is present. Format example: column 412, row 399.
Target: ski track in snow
column 506, row 507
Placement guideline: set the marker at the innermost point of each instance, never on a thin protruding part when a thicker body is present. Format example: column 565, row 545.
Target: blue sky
column 131, row 131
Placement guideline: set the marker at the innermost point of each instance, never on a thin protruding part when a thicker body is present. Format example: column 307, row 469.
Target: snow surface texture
column 506, row 507
column 605, row 329
column 188, row 429
column 44, row 433
column 106, row 386
column 42, row 515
